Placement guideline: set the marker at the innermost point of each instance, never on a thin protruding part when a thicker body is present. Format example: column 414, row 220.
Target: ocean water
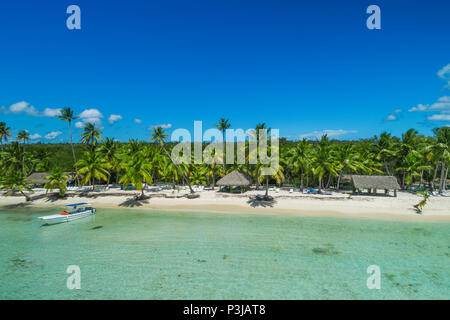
column 150, row 254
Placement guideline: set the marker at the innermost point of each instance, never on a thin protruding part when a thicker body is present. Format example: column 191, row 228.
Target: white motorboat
column 79, row 210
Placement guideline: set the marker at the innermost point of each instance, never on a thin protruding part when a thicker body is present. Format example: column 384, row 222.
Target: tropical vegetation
column 416, row 160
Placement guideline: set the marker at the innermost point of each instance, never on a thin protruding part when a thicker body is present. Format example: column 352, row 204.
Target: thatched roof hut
column 40, row 178
column 234, row 178
column 372, row 183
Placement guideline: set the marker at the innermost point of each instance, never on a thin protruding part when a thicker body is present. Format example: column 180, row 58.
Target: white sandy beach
column 296, row 203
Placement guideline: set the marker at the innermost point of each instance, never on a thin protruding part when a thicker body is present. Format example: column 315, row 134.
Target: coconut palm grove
column 418, row 162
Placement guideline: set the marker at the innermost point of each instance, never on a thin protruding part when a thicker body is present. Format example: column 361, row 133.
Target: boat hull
column 58, row 218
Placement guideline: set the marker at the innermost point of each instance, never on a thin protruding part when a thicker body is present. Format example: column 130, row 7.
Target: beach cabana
column 234, row 179
column 374, row 183
column 39, row 179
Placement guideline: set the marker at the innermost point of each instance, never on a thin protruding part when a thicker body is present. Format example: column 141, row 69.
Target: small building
column 234, row 179
column 374, row 183
column 39, row 179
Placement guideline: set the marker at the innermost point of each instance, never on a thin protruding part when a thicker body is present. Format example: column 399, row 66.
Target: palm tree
column 223, row 125
column 168, row 171
column 67, row 114
column 254, row 134
column 23, row 136
column 443, row 148
column 13, row 157
column 160, row 136
column 198, row 175
column 347, row 159
column 15, row 181
column 91, row 135
column 4, row 133
column 92, row 167
column 298, row 157
column 413, row 164
column 323, row 161
column 278, row 176
column 57, row 180
column 109, row 150
column 137, row 171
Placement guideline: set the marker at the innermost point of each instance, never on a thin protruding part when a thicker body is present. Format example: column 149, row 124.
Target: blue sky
column 305, row 68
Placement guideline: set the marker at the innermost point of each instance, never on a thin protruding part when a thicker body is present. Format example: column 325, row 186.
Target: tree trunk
column 214, row 175
column 434, row 176
column 73, row 154
column 421, row 178
column 338, row 180
column 23, row 159
column 387, row 169
column 442, row 180
column 179, row 170
column 329, row 181
column 257, row 177
column 267, row 186
column 445, row 178
column 301, row 180
column 224, row 152
column 403, row 180
column 27, row 198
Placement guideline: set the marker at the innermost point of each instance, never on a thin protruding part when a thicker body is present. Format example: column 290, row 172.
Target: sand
column 296, row 203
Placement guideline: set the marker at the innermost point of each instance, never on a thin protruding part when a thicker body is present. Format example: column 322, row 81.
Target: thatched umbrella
column 234, row 178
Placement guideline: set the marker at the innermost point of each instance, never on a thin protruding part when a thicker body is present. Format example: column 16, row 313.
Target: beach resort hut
column 234, row 179
column 374, row 183
column 39, row 179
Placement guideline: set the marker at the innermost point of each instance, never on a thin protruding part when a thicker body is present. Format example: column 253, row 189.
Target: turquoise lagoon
column 152, row 254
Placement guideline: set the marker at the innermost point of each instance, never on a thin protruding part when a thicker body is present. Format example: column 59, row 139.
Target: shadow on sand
column 133, row 202
column 261, row 201
column 18, row 205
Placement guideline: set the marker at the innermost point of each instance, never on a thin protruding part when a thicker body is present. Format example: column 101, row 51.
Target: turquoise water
column 148, row 254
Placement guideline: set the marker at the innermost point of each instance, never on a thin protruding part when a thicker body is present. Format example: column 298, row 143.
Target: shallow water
column 150, row 254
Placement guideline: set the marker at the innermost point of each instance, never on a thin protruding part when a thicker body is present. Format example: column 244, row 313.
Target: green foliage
column 57, row 180
column 423, row 202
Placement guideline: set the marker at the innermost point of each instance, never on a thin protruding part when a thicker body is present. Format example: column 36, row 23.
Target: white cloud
column 49, row 112
column 35, row 136
column 52, row 135
column 444, row 74
column 79, row 125
column 23, row 107
column 330, row 133
column 27, row 108
column 439, row 117
column 443, row 103
column 391, row 117
column 420, row 107
column 114, row 117
column 164, row 126
column 138, row 120
column 91, row 115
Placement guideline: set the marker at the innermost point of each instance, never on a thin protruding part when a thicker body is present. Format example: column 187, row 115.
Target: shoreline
column 285, row 203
